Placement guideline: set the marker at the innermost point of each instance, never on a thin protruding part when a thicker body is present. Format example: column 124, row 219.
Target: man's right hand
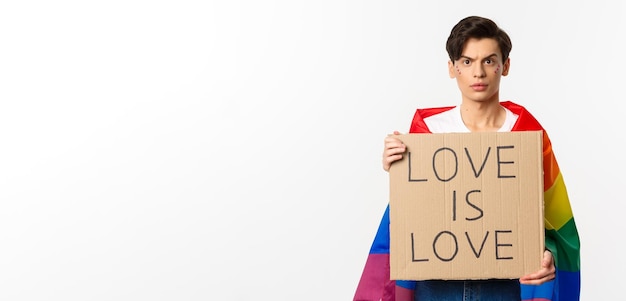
column 394, row 148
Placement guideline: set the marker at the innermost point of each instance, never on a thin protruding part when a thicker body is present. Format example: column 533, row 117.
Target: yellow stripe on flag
column 557, row 207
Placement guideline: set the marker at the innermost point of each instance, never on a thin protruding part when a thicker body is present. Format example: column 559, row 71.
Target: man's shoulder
column 427, row 112
column 418, row 125
column 525, row 121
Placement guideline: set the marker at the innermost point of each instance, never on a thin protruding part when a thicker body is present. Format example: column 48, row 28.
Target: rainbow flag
column 561, row 233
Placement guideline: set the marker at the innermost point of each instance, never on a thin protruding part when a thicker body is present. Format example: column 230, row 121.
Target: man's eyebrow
column 472, row 59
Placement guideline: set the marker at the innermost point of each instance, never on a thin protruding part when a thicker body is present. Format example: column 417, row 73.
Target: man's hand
column 545, row 274
column 394, row 148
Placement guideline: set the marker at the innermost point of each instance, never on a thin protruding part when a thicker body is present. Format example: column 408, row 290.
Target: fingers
column 393, row 143
column 540, row 277
column 390, row 159
column 545, row 274
column 394, row 148
column 548, row 260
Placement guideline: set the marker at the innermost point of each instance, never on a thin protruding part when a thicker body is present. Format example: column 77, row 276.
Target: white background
column 230, row 150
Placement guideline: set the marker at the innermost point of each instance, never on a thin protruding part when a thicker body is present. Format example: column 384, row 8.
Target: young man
column 479, row 58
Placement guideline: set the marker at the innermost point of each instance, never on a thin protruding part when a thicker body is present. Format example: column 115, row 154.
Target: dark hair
column 476, row 27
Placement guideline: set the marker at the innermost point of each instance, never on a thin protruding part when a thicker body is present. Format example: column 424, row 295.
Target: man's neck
column 483, row 116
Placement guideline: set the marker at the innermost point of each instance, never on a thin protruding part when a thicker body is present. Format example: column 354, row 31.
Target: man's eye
column 488, row 62
column 466, row 62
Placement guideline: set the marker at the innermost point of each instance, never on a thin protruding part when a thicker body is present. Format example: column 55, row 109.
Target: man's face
column 479, row 70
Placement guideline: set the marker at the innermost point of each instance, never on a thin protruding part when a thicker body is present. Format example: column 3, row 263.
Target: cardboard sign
column 467, row 206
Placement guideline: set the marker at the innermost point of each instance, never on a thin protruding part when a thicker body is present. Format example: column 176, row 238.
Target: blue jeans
column 468, row 290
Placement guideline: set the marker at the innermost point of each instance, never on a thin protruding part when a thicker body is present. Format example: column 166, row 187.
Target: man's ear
column 506, row 66
column 451, row 70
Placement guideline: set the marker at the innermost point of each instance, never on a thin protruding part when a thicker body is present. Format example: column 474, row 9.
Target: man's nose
column 479, row 70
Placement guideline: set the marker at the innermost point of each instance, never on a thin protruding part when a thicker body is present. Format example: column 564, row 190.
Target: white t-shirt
column 450, row 121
